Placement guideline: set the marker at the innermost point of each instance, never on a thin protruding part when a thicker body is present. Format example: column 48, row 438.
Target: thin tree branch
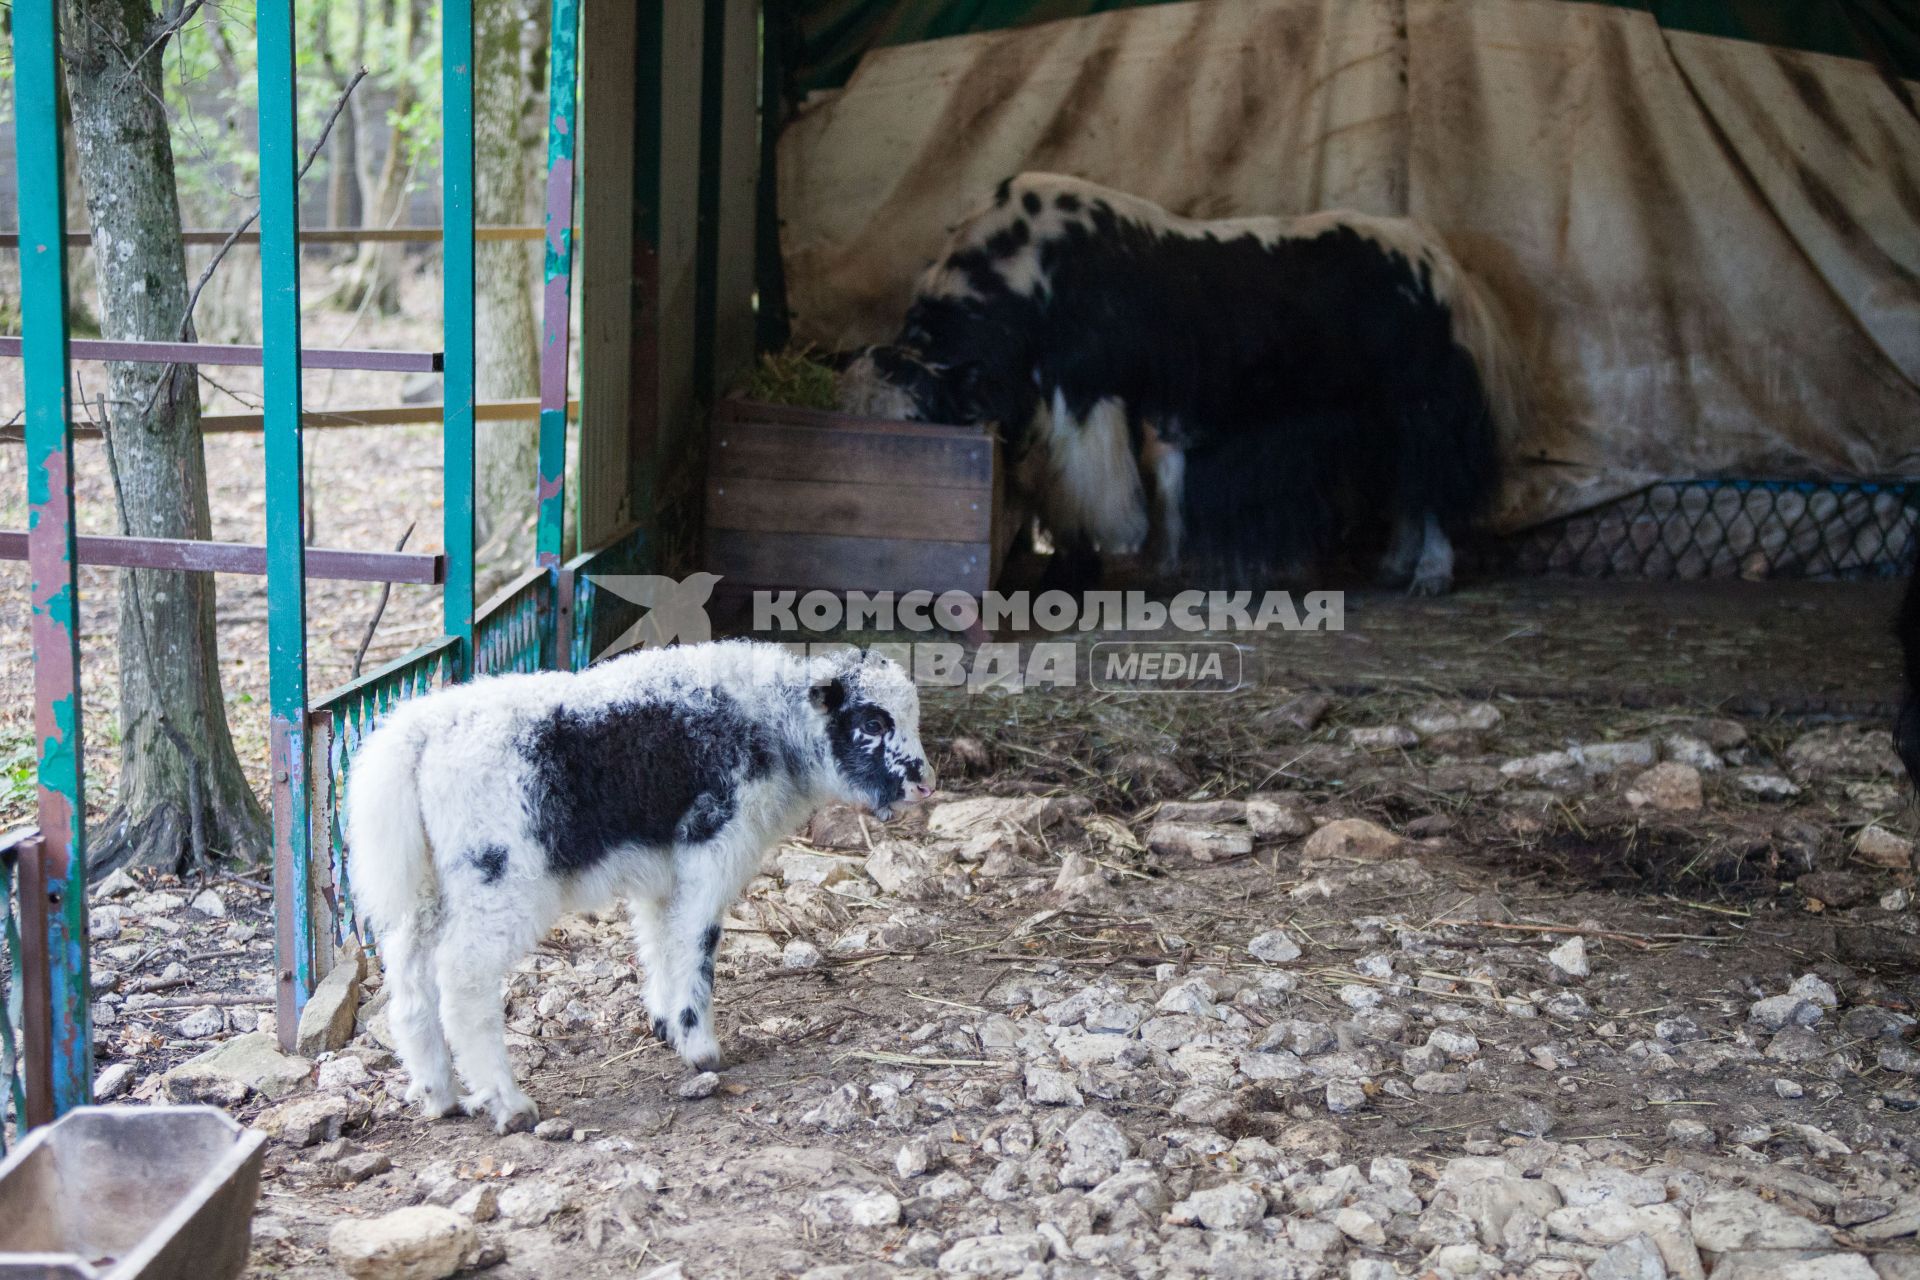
column 170, row 372
column 386, row 589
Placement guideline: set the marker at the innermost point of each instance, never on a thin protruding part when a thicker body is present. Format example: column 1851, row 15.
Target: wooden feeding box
column 806, row 498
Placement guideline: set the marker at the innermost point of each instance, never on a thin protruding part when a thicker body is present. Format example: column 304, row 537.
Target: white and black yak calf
column 480, row 813
column 1247, row 391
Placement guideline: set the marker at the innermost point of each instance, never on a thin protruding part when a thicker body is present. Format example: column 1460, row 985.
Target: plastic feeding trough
column 130, row 1193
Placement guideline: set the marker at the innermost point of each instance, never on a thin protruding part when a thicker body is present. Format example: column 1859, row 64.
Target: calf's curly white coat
column 479, row 814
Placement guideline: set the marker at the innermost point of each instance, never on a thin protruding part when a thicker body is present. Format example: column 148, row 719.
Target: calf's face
column 873, row 731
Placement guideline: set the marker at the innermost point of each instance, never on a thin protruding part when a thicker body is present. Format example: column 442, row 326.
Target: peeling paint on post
column 562, row 80
column 286, row 538
column 51, row 559
column 456, row 169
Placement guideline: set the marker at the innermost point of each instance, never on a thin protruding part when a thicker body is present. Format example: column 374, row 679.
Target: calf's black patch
column 643, row 772
column 492, row 862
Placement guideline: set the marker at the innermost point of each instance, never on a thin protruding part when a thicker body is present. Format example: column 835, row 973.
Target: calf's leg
column 484, row 933
column 413, row 1013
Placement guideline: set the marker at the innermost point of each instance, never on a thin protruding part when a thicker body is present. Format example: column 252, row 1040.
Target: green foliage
column 211, row 83
column 17, row 773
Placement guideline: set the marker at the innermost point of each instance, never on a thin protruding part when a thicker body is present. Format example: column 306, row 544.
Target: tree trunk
column 179, row 778
column 508, row 348
column 376, row 267
column 343, row 160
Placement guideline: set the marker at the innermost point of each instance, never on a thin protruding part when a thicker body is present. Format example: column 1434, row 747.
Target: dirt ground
column 919, row 1019
column 1404, row 961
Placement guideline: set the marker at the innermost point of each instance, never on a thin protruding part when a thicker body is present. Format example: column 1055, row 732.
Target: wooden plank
column 608, row 85
column 394, row 415
column 197, row 555
column 855, row 457
column 736, row 409
column 836, row 563
column 733, row 321
column 756, row 505
column 320, row 235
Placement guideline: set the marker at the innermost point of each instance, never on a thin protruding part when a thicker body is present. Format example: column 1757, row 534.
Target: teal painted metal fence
column 286, row 532
column 457, row 311
column 66, row 1078
column 556, row 319
column 339, row 722
column 553, row 616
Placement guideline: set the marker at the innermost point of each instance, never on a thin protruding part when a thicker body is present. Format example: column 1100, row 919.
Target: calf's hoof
column 1433, row 584
column 435, row 1102
column 701, row 1051
column 510, row 1110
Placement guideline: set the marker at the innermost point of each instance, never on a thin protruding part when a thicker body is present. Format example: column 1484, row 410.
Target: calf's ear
column 830, row 696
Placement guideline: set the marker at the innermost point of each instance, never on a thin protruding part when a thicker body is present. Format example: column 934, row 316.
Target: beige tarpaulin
column 1709, row 249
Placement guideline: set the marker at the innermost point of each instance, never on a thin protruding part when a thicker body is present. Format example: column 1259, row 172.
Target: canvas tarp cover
column 1708, row 249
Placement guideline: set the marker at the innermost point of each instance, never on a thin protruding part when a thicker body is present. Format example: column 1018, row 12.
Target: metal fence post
column 286, row 537
column 59, row 898
column 562, row 80
column 457, row 311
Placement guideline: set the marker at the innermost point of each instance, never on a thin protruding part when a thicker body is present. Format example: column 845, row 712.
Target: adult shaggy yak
column 1247, row 390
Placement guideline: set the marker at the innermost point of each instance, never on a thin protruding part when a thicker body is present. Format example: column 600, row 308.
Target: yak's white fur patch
column 1086, row 475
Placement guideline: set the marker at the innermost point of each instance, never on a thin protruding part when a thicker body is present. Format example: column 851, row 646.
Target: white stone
column 1610, row 1223
column 1812, row 987
column 1880, row 847
column 1727, row 1220
column 112, row 1081
column 1274, row 947
column 1535, row 767
column 700, row 1086
column 341, row 1073
column 1352, row 839
column 1475, row 718
column 1386, row 737
column 424, row 1242
column 251, row 1061
column 1570, row 958
column 995, row 1255
column 1777, row 1012
column 327, row 1021
column 1231, row 1206
column 201, row 1024
column 1052, row 1088
column 1635, row 1258
column 1767, row 786
column 1605, row 757
column 800, row 954
column 799, row 867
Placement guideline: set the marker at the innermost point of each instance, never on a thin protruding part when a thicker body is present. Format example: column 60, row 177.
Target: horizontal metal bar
column 322, row 235
column 227, row 354
column 398, row 415
column 199, row 555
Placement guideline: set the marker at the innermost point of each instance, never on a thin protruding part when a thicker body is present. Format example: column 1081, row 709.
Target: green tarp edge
column 824, row 40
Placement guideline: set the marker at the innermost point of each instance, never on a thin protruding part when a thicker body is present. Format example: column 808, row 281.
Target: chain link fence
column 1751, row 529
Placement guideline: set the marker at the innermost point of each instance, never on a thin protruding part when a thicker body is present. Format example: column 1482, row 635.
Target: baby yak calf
column 478, row 814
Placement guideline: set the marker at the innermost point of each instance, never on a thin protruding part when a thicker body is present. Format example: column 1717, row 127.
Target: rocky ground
column 1414, row 986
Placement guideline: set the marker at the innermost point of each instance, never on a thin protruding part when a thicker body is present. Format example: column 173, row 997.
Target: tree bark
column 376, row 267
column 508, row 351
column 180, row 780
column 343, row 161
